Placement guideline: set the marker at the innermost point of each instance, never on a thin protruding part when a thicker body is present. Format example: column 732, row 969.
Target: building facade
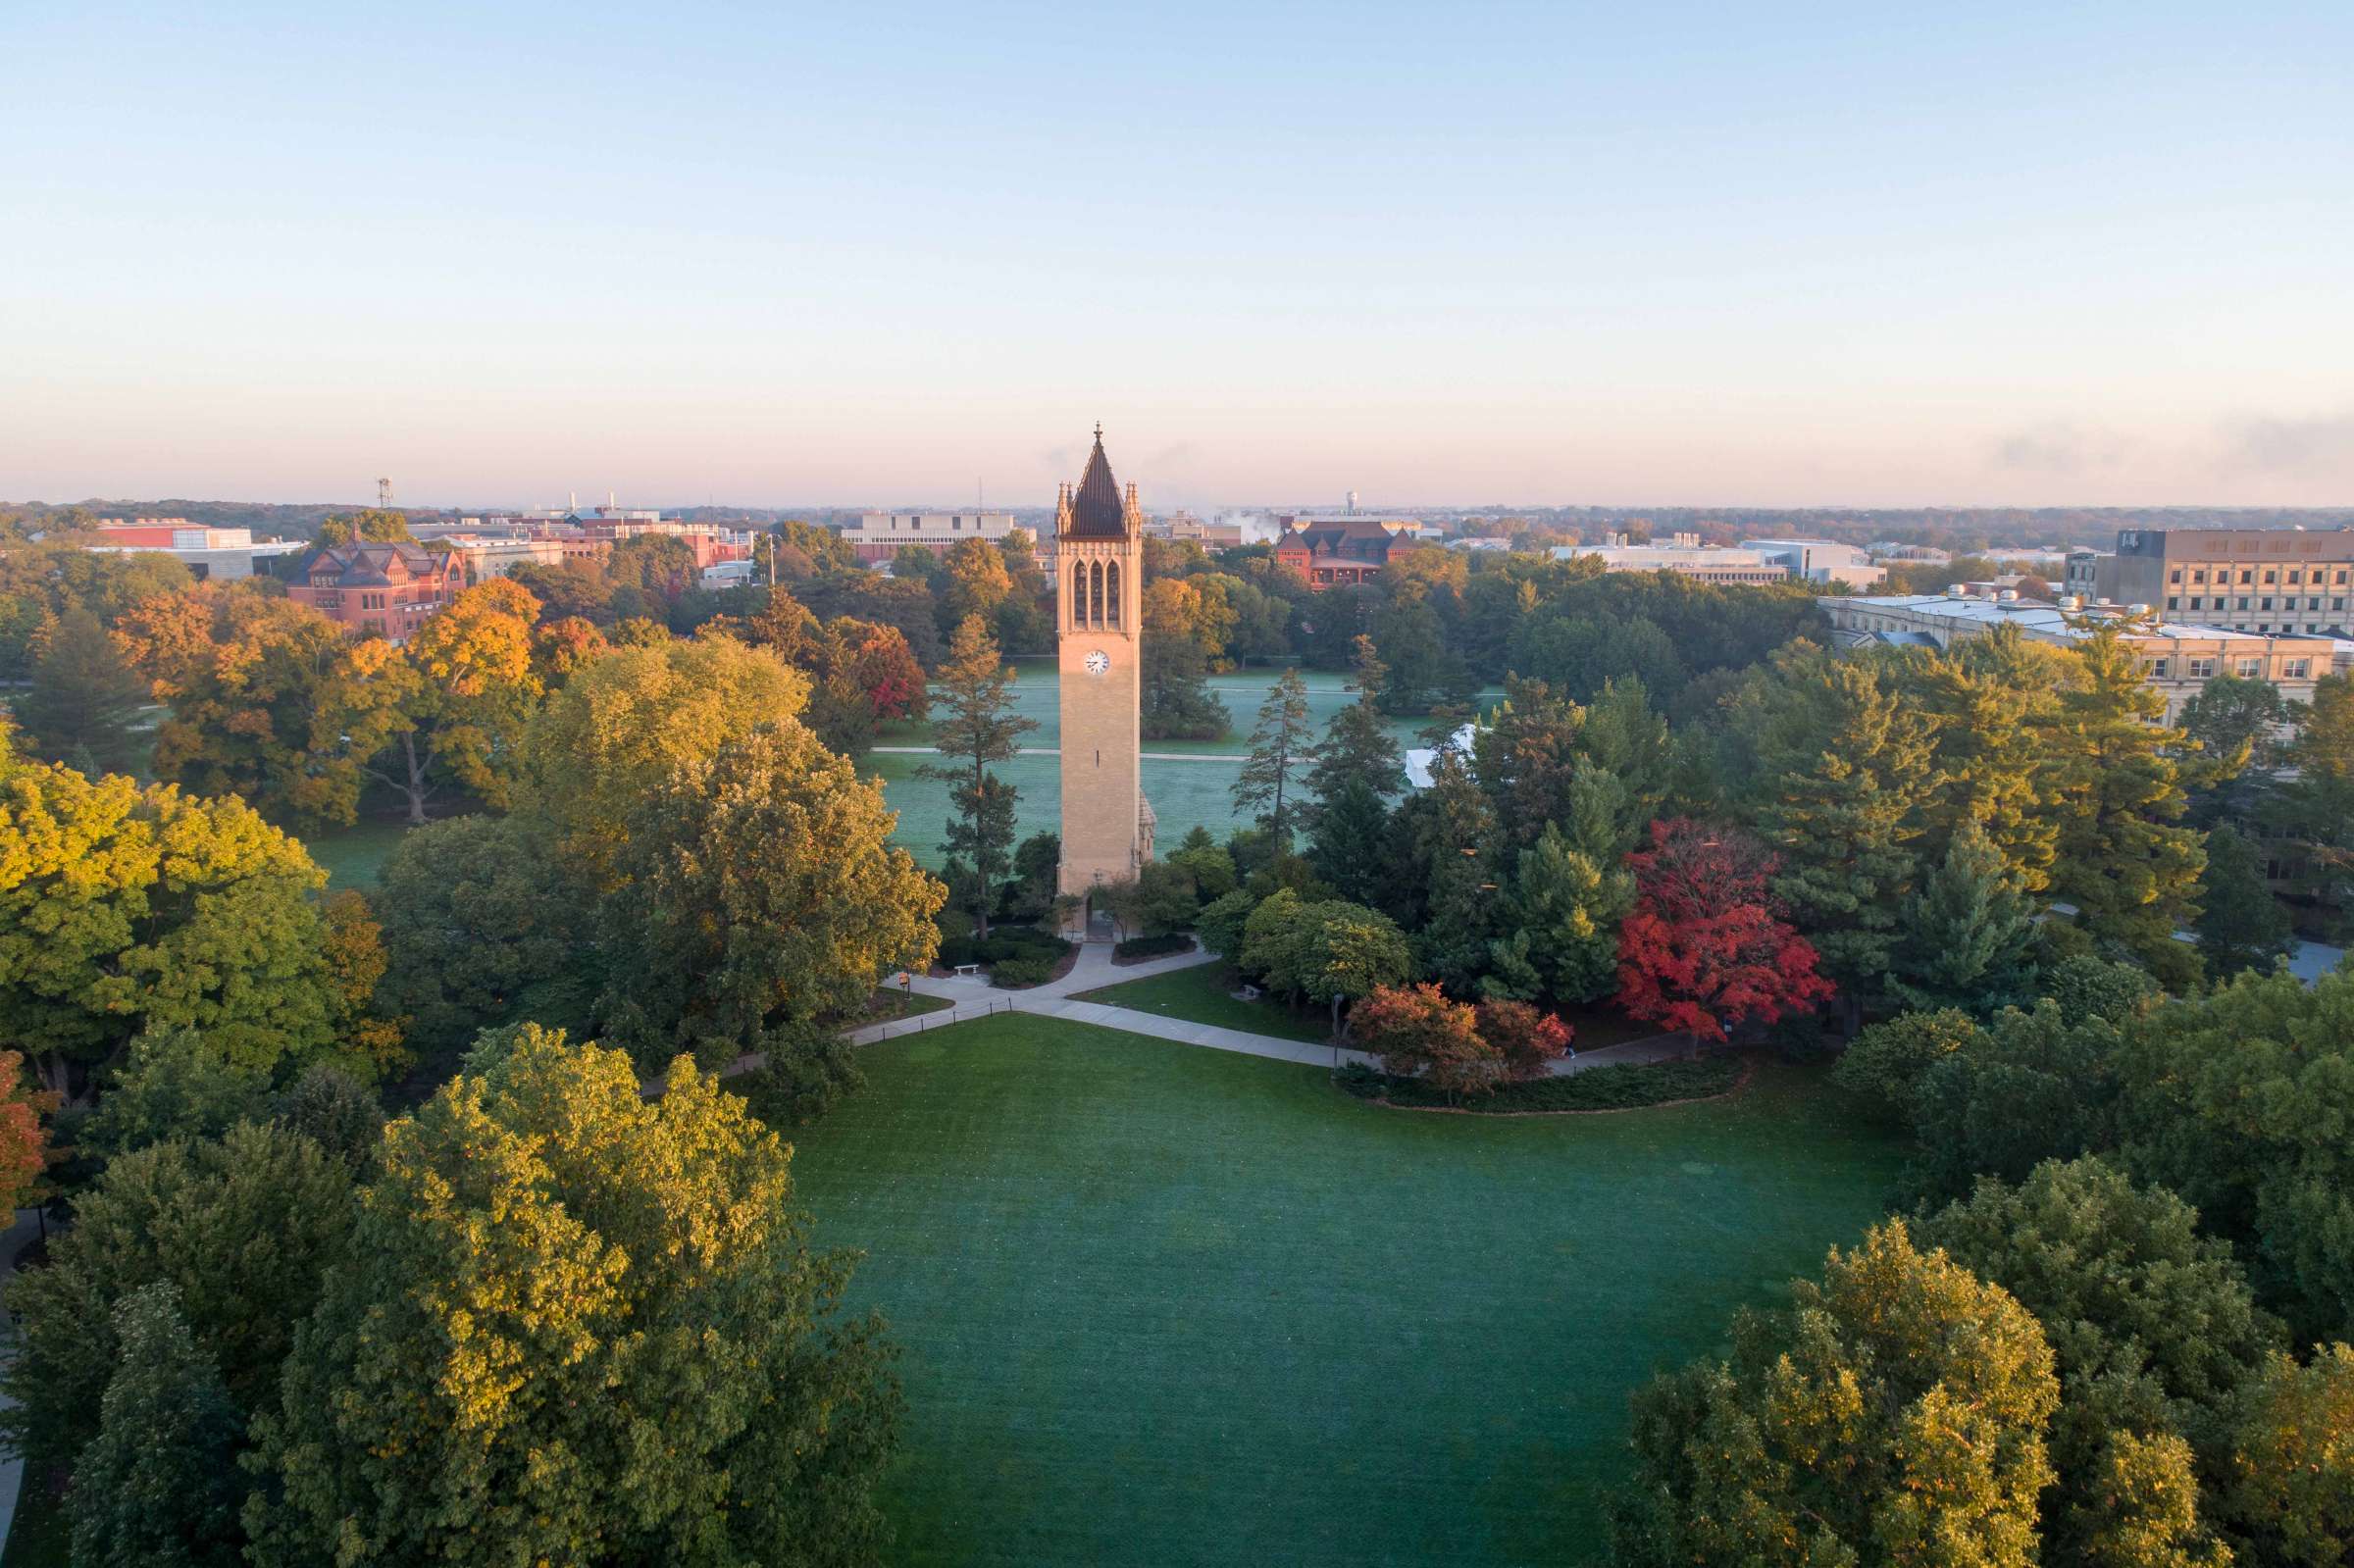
column 1098, row 596
column 1701, row 563
column 1824, row 561
column 1342, row 552
column 2276, row 582
column 2178, row 660
column 877, row 536
column 386, row 590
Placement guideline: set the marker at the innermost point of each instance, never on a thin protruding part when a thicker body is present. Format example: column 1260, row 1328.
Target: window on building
column 2173, row 602
column 2295, row 669
column 2270, row 577
column 2243, row 601
column 2202, row 669
column 2246, row 576
column 2249, row 668
column 2175, row 576
column 2200, row 576
column 2295, row 576
column 2266, row 604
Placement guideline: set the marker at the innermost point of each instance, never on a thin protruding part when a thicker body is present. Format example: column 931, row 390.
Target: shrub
column 1153, row 946
column 1019, row 971
column 1626, row 1086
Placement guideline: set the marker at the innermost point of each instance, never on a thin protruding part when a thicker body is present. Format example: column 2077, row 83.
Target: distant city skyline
column 1860, row 255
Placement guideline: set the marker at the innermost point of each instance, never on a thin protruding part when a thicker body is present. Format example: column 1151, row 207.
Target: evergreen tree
column 1281, row 744
column 1454, row 856
column 1966, row 933
column 1992, row 702
column 1358, row 746
column 1348, row 842
column 2240, row 923
column 1843, row 769
column 2123, row 862
column 2315, row 810
column 978, row 725
column 1565, row 909
column 157, row 1487
column 83, row 699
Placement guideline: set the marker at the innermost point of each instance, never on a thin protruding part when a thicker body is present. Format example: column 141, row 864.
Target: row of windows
column 2247, row 575
column 2173, row 601
column 916, row 523
column 2247, row 669
column 1096, row 593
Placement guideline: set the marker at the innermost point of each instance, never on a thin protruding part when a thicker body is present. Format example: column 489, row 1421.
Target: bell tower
column 1098, row 597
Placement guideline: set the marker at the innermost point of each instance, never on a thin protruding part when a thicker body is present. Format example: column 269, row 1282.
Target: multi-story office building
column 877, row 536
column 1823, row 561
column 1699, row 562
column 2178, row 659
column 2276, row 582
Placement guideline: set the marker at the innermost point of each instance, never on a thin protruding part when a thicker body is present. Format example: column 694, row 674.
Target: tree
column 2033, row 1087
column 476, row 911
column 1358, row 753
column 1704, row 947
column 2240, row 923
column 1884, row 1065
column 2315, row 810
column 124, row 910
column 2237, row 722
column 449, row 704
column 2123, row 862
column 84, row 699
column 1330, row 951
column 1278, row 745
column 1895, row 1415
column 2289, row 1489
column 245, row 1227
column 1205, row 861
column 1842, row 771
column 157, row 1487
column 980, row 727
column 1965, row 935
column 1992, row 702
column 1176, row 703
column 642, row 1362
column 1527, row 1041
column 972, row 581
column 1418, row 1032
column 246, row 674
column 2152, row 1329
column 369, row 526
column 174, row 1086
column 763, row 900
column 1566, row 911
column 622, row 726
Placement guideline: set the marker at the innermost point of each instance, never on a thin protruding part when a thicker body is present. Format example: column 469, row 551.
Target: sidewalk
column 977, row 998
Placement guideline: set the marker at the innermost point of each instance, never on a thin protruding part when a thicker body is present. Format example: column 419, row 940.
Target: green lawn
column 351, row 855
column 1204, row 994
column 1164, row 1306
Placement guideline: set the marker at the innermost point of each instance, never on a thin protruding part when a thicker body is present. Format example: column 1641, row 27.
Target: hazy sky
column 1778, row 254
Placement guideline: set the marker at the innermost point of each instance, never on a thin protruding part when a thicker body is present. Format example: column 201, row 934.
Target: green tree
column 157, row 1487
column 174, row 1086
column 623, row 725
column 1329, row 951
column 1993, row 704
column 2289, row 1489
column 2152, row 1329
column 2236, row 721
column 1895, row 1415
column 369, row 526
column 1884, row 1065
column 1347, row 842
column 1357, row 748
column 1280, row 745
column 125, row 909
column 2240, row 923
column 84, row 699
column 642, row 1362
column 763, row 901
column 476, row 911
column 2124, row 860
column 1176, row 702
column 1965, row 936
column 2032, row 1087
column 2315, row 810
column 978, row 725
column 1565, row 909
column 245, row 1227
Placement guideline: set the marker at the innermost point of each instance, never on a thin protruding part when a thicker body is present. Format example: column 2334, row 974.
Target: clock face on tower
column 1098, row 662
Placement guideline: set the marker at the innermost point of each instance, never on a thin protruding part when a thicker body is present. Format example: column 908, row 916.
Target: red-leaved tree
column 1704, row 946
column 1417, row 1031
column 24, row 1151
column 1528, row 1038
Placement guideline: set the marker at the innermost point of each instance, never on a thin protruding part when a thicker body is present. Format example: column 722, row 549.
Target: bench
column 968, row 971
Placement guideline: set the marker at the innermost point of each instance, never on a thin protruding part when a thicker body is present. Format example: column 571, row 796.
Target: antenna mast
column 384, row 494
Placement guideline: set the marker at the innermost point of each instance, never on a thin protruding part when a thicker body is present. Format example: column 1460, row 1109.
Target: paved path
column 1058, row 998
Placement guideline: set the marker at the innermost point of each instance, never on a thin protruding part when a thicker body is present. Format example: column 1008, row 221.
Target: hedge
column 1619, row 1087
column 1176, row 942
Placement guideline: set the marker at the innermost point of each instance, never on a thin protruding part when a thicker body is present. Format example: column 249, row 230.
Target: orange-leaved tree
column 1705, row 947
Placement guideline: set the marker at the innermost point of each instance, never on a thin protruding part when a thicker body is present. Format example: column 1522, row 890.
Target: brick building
column 1341, row 552
column 387, row 589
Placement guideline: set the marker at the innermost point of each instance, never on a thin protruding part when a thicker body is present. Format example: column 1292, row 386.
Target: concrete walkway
column 977, row 998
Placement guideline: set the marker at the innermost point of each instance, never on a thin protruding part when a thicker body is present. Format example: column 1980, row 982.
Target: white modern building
column 877, row 536
column 1823, row 561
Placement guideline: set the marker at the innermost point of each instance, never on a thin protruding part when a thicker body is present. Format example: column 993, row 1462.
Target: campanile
column 1098, row 593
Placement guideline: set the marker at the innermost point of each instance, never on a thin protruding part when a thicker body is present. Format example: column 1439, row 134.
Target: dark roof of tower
column 1096, row 509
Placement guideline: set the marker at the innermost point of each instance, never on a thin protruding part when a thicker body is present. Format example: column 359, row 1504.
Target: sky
column 1542, row 254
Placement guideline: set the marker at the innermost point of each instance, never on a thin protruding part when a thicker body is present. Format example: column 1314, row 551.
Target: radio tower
column 384, row 494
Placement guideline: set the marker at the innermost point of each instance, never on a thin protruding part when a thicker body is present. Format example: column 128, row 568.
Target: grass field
column 1163, row 1305
column 1204, row 994
column 350, row 856
column 1187, row 781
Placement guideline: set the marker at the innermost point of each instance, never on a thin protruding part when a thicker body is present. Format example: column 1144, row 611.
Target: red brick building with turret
column 383, row 589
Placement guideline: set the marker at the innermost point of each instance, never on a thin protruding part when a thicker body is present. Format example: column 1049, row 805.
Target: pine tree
column 83, row 699
column 158, row 1487
column 1278, row 747
column 1358, row 746
column 2123, row 862
column 978, row 727
column 2240, row 923
column 1566, row 907
column 1966, row 933
column 1348, row 842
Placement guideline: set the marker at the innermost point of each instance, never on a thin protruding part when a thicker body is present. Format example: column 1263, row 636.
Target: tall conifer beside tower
column 1098, row 593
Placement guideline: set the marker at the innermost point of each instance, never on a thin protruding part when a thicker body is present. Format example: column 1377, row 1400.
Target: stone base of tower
column 1079, row 882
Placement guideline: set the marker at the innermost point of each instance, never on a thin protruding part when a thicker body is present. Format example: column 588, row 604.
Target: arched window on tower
column 1079, row 593
column 1095, row 594
column 1111, row 593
